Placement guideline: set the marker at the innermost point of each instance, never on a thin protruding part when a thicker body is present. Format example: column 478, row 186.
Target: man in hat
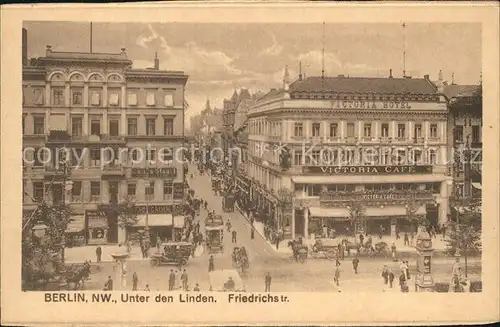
column 171, row 280
column 211, row 265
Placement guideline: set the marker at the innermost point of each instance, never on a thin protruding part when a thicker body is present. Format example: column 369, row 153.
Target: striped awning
column 155, row 220
column 77, row 224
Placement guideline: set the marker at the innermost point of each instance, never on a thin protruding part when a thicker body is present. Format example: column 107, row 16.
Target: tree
column 43, row 255
column 356, row 214
column 126, row 213
column 463, row 238
column 412, row 206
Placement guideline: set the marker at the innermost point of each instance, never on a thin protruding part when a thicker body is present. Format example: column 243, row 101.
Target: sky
column 220, row 58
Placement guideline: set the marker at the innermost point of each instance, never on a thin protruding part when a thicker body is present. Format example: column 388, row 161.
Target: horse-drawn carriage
column 299, row 250
column 368, row 248
column 325, row 248
column 214, row 236
column 216, row 183
column 226, row 280
column 239, row 258
column 76, row 274
column 176, row 253
column 228, row 203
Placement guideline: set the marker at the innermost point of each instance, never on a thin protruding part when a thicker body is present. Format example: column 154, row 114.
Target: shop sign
column 153, row 209
column 168, row 172
column 95, row 214
column 367, row 170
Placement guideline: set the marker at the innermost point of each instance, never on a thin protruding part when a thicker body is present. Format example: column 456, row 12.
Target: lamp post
column 424, row 281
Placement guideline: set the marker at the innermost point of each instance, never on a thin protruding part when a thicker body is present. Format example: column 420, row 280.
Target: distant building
column 122, row 121
column 379, row 142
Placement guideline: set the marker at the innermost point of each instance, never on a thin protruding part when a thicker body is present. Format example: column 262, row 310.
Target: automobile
column 220, row 281
column 176, row 253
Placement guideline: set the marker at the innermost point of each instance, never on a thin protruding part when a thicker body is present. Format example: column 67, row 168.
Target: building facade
column 118, row 129
column 340, row 143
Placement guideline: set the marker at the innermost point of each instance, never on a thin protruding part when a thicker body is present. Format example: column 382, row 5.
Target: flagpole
column 90, row 37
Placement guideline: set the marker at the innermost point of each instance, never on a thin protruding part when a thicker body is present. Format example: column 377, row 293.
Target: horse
column 78, row 276
column 348, row 246
column 297, row 249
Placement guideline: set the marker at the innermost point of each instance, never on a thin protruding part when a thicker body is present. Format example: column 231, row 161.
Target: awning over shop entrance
column 328, row 212
column 391, row 211
column 77, row 224
column 155, row 220
column 477, row 185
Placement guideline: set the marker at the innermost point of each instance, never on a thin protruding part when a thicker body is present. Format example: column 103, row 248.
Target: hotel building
column 378, row 143
column 122, row 122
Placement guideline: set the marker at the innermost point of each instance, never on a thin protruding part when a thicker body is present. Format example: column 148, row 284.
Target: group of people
column 404, row 275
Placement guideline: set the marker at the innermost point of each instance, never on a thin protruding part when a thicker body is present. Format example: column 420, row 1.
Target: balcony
column 385, row 140
column 377, row 196
column 113, row 169
column 112, row 138
column 351, row 140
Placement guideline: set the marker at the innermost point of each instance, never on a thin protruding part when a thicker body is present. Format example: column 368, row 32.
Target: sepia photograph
column 204, row 162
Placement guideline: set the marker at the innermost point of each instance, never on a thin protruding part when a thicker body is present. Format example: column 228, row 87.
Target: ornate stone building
column 338, row 143
column 121, row 126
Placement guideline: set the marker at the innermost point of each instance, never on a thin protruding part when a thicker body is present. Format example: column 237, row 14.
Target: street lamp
column 39, row 229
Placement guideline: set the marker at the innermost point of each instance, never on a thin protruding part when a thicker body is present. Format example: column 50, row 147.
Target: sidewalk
column 438, row 243
column 87, row 253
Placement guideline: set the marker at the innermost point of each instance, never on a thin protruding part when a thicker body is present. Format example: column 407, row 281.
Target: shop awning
column 477, row 185
column 179, row 221
column 155, row 220
column 77, row 224
column 391, row 211
column 328, row 212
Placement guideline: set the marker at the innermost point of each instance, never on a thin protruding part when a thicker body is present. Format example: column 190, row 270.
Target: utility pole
column 404, row 49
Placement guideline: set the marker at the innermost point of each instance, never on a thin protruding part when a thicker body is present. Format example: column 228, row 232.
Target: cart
column 176, row 253
column 214, row 237
column 325, row 248
column 220, row 281
column 228, row 203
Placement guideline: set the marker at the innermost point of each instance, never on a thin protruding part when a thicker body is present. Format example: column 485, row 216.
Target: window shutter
column 169, row 100
column 150, row 99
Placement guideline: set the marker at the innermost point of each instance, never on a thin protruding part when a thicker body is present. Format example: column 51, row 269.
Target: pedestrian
column 393, row 251
column 233, row 236
column 412, row 237
column 380, row 231
column 252, row 221
column 278, row 239
column 385, row 274
column 108, row 286
column 391, row 278
column 407, row 270
column 98, row 253
column 196, row 288
column 402, row 280
column 135, row 280
column 228, row 225
column 252, row 233
column 211, row 266
column 171, row 280
column 361, row 238
column 405, row 288
column 402, row 268
column 355, row 263
column 336, row 277
column 397, row 232
column 337, row 262
column 147, row 288
column 184, row 279
column 268, row 282
column 406, row 240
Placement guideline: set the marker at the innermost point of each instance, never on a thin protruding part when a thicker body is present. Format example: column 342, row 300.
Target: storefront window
column 313, row 189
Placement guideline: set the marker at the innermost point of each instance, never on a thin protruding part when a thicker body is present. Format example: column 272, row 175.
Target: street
column 316, row 275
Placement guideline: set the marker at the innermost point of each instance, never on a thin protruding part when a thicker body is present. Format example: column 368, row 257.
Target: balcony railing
column 389, row 195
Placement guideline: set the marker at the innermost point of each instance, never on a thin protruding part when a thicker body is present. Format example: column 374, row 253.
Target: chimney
column 157, row 61
column 300, row 70
column 440, row 76
column 390, row 73
column 25, row 47
column 426, row 76
column 452, row 78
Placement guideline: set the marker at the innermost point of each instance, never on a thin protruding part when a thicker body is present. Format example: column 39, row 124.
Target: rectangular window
column 132, row 99
column 417, row 157
column 434, row 130
column 385, row 130
column 77, row 98
column 76, row 191
column 169, row 100
column 95, row 98
column 38, row 96
column 367, row 130
column 476, row 135
column 401, row 130
column 150, row 126
column 168, row 188
column 114, row 99
column 38, row 157
column 39, row 125
column 95, row 127
column 131, row 189
column 333, row 130
column 38, row 191
column 132, row 126
column 168, row 126
column 149, row 190
column 76, row 126
column 313, row 189
column 315, row 129
column 298, row 130
column 95, row 157
column 432, row 157
column 166, row 155
column 58, row 97
column 95, row 191
column 150, row 154
column 316, row 157
column 297, row 158
column 350, row 130
column 133, row 154
column 418, row 131
column 114, row 129
column 150, row 98
column 458, row 134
